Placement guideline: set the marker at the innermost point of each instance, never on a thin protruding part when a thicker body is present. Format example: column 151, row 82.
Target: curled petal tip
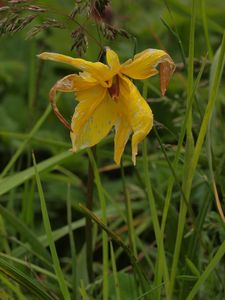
column 42, row 55
column 166, row 71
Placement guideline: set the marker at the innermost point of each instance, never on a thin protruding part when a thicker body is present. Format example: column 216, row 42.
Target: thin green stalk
column 104, row 219
column 32, row 77
column 27, row 211
column 190, row 80
column 115, row 274
column 188, row 152
column 177, row 37
column 47, row 225
column 174, row 32
column 88, row 225
column 205, row 28
column 193, row 164
column 178, row 150
column 27, row 201
column 119, row 242
column 161, row 265
column 3, row 236
column 83, row 291
column 171, row 168
column 211, row 266
column 131, row 231
column 72, row 245
column 194, row 243
column 210, row 106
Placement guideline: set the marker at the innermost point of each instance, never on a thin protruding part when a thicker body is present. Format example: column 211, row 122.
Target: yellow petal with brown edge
column 73, row 83
column 144, row 65
column 97, row 70
column 68, row 84
column 138, row 113
column 96, row 126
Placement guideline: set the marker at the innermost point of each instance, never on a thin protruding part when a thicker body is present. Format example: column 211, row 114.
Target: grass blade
column 72, row 246
column 32, row 285
column 26, row 141
column 214, row 261
column 47, row 225
column 12, row 287
column 115, row 276
column 27, row 234
column 13, row 181
column 104, row 218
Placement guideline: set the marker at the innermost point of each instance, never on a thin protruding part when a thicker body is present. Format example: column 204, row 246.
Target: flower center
column 114, row 90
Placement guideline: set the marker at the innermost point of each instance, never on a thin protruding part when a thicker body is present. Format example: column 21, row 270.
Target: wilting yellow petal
column 73, row 83
column 97, row 70
column 70, row 83
column 96, row 126
column 123, row 131
column 144, row 64
column 112, row 60
column 138, row 113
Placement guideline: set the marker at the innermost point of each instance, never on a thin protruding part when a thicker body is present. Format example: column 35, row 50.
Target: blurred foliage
column 77, row 28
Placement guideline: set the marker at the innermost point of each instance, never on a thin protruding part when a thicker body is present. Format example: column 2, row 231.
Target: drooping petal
column 70, row 83
column 138, row 113
column 144, row 65
column 123, row 131
column 97, row 70
column 73, row 83
column 94, row 127
column 112, row 60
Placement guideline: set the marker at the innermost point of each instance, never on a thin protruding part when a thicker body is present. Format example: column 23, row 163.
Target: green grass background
column 157, row 231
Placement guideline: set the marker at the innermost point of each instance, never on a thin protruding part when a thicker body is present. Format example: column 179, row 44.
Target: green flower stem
column 131, row 231
column 104, row 219
column 72, row 246
column 115, row 273
column 88, row 226
column 193, row 164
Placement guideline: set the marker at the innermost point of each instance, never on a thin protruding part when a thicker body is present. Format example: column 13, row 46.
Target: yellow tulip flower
column 107, row 97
